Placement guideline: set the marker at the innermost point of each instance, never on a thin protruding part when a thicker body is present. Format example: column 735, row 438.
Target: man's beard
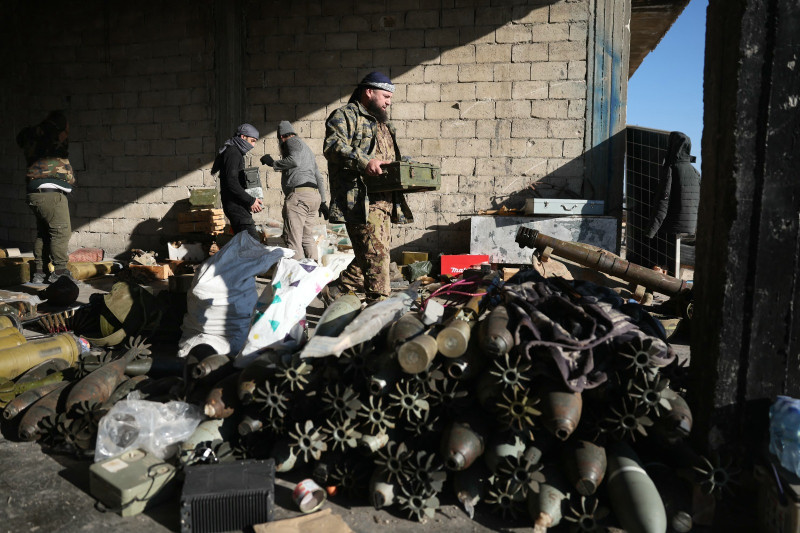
column 377, row 112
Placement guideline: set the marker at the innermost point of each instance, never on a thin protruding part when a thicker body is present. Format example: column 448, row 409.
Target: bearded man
column 359, row 139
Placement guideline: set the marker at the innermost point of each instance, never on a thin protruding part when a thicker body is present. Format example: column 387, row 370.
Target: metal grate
column 645, row 153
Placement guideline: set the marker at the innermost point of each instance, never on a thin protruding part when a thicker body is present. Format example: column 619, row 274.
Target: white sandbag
column 223, row 294
column 283, row 305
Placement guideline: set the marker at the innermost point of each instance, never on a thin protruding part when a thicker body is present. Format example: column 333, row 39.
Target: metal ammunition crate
column 407, row 177
column 131, row 482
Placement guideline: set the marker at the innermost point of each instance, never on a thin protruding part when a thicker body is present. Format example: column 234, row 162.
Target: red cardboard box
column 453, row 265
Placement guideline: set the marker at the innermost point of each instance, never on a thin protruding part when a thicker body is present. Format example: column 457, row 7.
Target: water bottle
column 784, row 432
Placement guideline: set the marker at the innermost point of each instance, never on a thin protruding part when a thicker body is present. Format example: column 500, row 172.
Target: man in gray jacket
column 304, row 188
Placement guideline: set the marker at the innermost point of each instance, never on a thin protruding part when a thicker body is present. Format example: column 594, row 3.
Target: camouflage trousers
column 371, row 244
column 53, row 229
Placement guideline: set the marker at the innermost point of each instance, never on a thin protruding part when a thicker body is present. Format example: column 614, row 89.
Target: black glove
column 266, row 159
column 324, row 211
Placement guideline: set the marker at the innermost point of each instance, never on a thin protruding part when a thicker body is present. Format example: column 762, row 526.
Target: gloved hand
column 324, row 211
column 266, row 159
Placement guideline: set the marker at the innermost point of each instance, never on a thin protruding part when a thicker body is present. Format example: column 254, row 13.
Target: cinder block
column 440, row 110
column 340, row 41
column 524, row 14
column 452, row 92
column 458, row 203
column 429, row 128
column 565, row 129
column 529, row 128
column 569, row 12
column 568, row 89
column 577, row 108
column 572, row 147
column 494, row 90
column 529, row 166
column 453, row 129
column 440, row 73
column 576, row 70
column 551, row 70
column 458, row 165
column 372, row 40
column 510, row 147
column 493, row 53
column 473, row 72
column 473, row 147
column 529, row 90
column 441, row 37
column 408, row 111
column 512, row 71
column 427, row 18
column 480, row 109
column 438, row 147
column 567, row 51
column 425, row 92
column 458, row 56
column 513, row 109
column 548, row 33
column 549, row 108
column 513, row 33
column 546, row 148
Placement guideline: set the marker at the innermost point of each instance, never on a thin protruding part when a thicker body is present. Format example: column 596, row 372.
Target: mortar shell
column 495, row 338
column 460, row 446
column 416, row 355
column 633, row 495
column 337, row 315
column 98, row 386
column 545, row 507
column 561, row 412
column 29, row 397
column 15, row 361
column 208, row 365
column 585, row 466
column 46, row 406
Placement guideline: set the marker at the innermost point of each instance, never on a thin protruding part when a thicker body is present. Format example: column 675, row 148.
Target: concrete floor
column 45, row 491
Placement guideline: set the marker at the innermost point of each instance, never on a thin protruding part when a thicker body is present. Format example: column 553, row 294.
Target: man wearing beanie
column 358, row 140
column 237, row 204
column 304, row 188
column 49, row 180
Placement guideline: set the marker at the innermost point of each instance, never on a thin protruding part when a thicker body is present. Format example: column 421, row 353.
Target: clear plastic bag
column 152, row 426
column 784, row 432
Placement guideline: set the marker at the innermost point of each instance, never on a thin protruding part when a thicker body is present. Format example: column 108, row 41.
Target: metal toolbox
column 563, row 206
column 407, row 177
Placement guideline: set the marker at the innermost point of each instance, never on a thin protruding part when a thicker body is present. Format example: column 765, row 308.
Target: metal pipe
column 602, row 262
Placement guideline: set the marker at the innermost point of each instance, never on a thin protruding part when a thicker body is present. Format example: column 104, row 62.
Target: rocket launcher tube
column 602, row 262
column 15, row 361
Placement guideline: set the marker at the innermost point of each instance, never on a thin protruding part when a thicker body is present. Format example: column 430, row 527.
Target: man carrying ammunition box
column 237, row 204
column 358, row 140
column 305, row 191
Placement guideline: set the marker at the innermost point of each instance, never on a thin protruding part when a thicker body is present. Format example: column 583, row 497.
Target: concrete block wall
column 493, row 91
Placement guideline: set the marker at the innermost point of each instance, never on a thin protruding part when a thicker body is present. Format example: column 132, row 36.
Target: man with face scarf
column 237, row 204
column 305, row 191
column 359, row 139
column 49, row 180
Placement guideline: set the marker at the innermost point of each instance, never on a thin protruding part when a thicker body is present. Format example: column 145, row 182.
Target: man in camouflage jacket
column 49, row 180
column 358, row 140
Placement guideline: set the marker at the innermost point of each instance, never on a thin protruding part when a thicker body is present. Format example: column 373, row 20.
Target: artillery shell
column 337, row 315
column 585, row 466
column 634, row 497
column 15, row 361
column 406, row 327
column 561, row 412
column 97, row 387
column 677, row 422
column 28, row 398
column 495, row 338
column 223, row 400
column 453, row 339
column 381, row 489
column 44, row 407
column 416, row 355
column 461, row 445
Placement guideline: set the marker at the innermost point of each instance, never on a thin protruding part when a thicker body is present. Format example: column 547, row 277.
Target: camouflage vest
column 50, row 168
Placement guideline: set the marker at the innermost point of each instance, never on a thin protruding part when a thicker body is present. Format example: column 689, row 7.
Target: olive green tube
column 15, row 361
column 337, row 315
column 416, row 355
column 634, row 497
column 406, row 327
column 453, row 339
column 28, row 398
column 10, row 337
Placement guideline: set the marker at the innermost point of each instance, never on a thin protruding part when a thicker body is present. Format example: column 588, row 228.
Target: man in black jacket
column 237, row 204
column 675, row 205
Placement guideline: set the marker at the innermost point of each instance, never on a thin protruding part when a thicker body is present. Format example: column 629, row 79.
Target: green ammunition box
column 406, row 177
column 132, row 481
column 204, row 197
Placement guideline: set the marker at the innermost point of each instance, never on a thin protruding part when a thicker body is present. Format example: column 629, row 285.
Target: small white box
column 563, row 206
